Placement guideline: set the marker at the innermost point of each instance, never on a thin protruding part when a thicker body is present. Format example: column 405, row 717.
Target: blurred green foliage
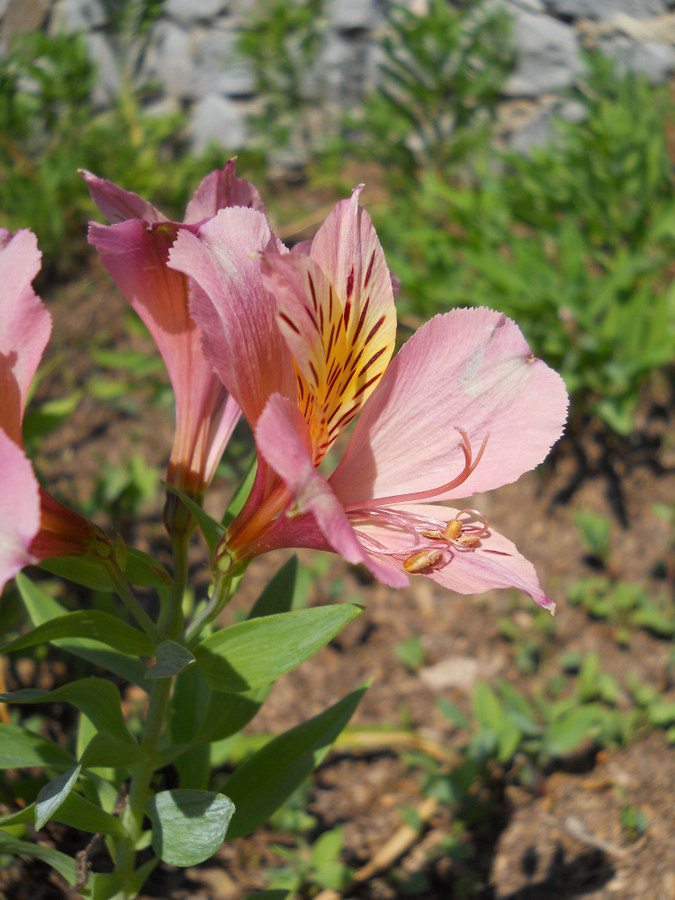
column 50, row 128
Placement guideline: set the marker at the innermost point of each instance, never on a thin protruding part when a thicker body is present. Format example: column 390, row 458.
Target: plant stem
column 127, row 597
column 132, row 817
column 170, row 622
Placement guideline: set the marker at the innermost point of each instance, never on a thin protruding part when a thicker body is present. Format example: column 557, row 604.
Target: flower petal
column 283, row 439
column 25, row 326
column 349, row 252
column 117, row 205
column 494, row 563
column 222, row 188
column 136, row 256
column 469, row 369
column 19, row 509
column 237, row 316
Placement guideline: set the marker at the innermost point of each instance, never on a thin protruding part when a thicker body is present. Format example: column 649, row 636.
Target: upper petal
column 19, row 509
column 349, row 252
column 237, row 316
column 468, row 370
column 116, row 204
column 222, row 188
column 25, row 326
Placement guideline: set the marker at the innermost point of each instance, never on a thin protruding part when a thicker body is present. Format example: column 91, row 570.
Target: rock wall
column 189, row 51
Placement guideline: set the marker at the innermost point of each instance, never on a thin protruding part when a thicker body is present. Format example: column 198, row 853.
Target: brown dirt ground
column 562, row 838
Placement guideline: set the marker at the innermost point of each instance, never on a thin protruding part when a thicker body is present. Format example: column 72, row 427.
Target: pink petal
column 117, row 205
column 136, row 256
column 19, row 509
column 283, row 439
column 494, row 563
column 25, row 326
column 469, row 369
column 349, row 252
column 237, row 316
column 221, row 188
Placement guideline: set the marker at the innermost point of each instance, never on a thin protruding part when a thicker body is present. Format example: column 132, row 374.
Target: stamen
column 421, row 560
column 414, row 496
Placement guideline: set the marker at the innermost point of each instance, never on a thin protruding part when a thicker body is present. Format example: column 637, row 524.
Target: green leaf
column 279, row 594
column 20, row 748
column 188, row 826
column 89, row 623
column 106, row 750
column 42, row 608
column 261, row 784
column 172, row 658
column 140, row 569
column 97, row 698
column 53, row 794
column 226, row 714
column 240, row 495
column 571, row 729
column 210, row 528
column 63, row 864
column 258, row 651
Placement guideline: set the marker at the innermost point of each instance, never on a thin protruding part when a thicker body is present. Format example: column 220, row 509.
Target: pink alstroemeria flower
column 33, row 524
column 463, row 408
column 134, row 249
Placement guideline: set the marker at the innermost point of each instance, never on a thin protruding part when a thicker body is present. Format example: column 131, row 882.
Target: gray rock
column 220, row 69
column 548, row 56
column 217, row 120
column 537, row 132
column 605, row 9
column 353, row 15
column 169, row 59
column 653, row 59
column 188, row 12
column 70, row 16
column 344, row 66
column 107, row 83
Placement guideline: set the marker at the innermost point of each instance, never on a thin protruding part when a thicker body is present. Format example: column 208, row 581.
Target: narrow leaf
column 140, row 569
column 256, row 652
column 89, row 623
column 20, row 748
column 188, row 826
column 97, row 698
column 261, row 784
column 106, row 750
column 53, row 794
column 63, row 864
column 42, row 608
column 278, row 595
column 211, row 529
column 172, row 658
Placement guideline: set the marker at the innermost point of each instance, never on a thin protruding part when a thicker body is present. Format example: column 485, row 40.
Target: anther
column 421, row 560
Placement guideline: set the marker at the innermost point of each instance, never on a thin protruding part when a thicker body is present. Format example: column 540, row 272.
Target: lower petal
column 283, row 439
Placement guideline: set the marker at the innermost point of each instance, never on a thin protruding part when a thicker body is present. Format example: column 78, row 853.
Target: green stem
column 223, row 589
column 170, row 623
column 139, row 789
column 127, row 597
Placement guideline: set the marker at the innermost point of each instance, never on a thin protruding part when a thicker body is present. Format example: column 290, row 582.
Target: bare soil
column 561, row 837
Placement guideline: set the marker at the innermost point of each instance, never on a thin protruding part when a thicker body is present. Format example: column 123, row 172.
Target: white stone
column 220, row 69
column 170, row 60
column 107, row 83
column 352, row 15
column 605, row 9
column 70, row 16
column 653, row 59
column 217, row 120
column 548, row 56
column 188, row 12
